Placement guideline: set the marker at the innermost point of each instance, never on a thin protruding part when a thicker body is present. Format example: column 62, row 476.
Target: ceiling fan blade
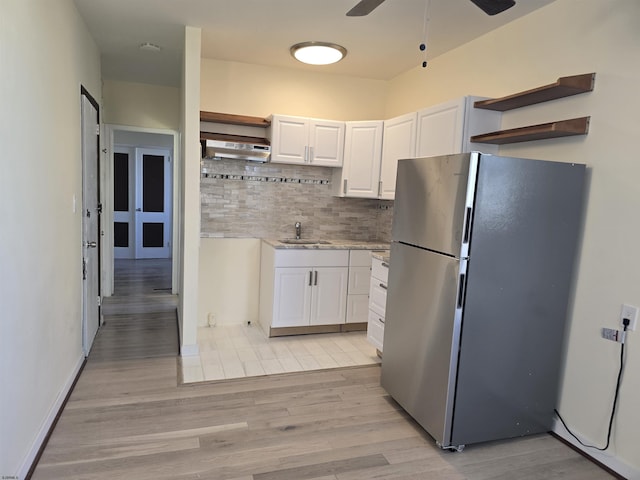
column 364, row 7
column 493, row 7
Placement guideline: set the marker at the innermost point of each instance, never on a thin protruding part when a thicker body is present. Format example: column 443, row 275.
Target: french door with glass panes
column 142, row 203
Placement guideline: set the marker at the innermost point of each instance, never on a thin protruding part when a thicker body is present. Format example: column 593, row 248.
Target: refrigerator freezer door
column 422, row 329
column 434, row 201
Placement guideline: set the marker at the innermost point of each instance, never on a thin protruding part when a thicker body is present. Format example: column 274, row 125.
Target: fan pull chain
column 423, row 45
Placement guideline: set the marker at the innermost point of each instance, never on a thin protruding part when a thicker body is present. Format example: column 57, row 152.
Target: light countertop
column 382, row 255
column 326, row 244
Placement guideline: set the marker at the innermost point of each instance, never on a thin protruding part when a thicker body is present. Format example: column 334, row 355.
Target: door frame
column 107, row 220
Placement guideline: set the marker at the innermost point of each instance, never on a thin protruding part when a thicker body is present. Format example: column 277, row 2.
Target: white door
column 90, row 223
column 398, row 142
column 292, row 297
column 329, row 297
column 326, row 143
column 124, row 202
column 153, row 203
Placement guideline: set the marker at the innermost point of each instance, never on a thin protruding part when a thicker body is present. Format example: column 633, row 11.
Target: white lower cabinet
column 306, row 287
column 309, row 296
column 377, row 302
column 302, row 287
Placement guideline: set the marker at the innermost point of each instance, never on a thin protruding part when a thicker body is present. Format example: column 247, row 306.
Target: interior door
column 123, row 202
column 153, row 203
column 90, row 223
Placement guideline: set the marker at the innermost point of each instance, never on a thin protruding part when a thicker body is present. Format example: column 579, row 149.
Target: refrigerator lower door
column 421, row 336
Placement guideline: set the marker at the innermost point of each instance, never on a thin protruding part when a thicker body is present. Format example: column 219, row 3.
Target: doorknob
column 90, row 244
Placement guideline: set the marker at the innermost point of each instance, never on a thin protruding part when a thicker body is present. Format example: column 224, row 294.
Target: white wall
column 246, row 89
column 190, row 193
column 141, row 105
column 46, row 53
column 565, row 38
column 229, row 283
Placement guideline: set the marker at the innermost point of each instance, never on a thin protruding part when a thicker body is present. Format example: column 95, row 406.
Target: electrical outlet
column 630, row 312
column 610, row 334
column 613, row 335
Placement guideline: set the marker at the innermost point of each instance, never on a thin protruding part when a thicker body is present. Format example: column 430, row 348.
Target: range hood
column 254, row 152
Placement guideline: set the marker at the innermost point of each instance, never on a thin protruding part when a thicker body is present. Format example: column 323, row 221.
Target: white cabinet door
column 306, row 141
column 292, row 297
column 329, row 297
column 362, row 157
column 398, row 141
column 445, row 129
column 326, row 143
column 359, row 280
column 357, row 308
column 289, row 139
column 440, row 129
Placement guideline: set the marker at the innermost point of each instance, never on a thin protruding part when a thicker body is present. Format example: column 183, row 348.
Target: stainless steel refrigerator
column 480, row 277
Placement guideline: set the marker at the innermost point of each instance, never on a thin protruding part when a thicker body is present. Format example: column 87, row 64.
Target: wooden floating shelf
column 562, row 128
column 230, row 119
column 563, row 87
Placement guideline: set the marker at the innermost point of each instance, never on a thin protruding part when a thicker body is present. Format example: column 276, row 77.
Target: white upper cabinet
column 440, row 129
column 360, row 172
column 399, row 141
column 306, row 141
column 445, row 128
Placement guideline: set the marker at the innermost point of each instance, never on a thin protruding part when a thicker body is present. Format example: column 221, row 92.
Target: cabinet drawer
column 375, row 330
column 301, row 257
column 377, row 296
column 380, row 270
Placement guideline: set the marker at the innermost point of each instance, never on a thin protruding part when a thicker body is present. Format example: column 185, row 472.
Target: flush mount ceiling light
column 149, row 47
column 318, row 53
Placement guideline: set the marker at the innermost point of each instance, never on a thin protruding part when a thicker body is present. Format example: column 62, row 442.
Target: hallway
column 139, row 320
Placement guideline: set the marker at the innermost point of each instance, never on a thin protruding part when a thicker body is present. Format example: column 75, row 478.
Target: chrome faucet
column 298, row 226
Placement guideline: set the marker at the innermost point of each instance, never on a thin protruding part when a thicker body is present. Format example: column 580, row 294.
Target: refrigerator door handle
column 467, row 225
column 461, row 286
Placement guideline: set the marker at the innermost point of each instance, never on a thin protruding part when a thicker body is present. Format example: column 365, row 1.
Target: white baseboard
column 607, row 459
column 189, row 350
column 48, row 421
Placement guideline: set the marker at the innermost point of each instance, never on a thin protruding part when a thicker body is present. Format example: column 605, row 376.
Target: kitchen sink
column 301, row 241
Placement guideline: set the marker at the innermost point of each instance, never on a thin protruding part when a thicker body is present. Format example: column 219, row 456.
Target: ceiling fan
column 490, row 7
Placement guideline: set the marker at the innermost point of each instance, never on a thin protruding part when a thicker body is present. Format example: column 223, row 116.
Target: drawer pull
column 385, row 265
column 382, row 285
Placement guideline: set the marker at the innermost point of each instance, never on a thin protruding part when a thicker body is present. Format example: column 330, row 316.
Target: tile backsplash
column 247, row 199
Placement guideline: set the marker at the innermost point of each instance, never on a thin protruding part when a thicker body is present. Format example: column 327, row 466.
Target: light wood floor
column 128, row 418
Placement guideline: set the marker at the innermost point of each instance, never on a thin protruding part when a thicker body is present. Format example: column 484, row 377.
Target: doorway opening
column 141, row 208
